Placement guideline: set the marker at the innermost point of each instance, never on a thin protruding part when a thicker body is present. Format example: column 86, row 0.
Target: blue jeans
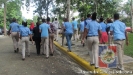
column 68, row 38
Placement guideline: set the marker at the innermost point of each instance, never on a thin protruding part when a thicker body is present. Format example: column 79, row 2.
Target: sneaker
column 23, row 59
column 17, row 50
column 120, row 68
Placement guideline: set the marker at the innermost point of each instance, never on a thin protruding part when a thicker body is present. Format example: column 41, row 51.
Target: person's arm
column 127, row 42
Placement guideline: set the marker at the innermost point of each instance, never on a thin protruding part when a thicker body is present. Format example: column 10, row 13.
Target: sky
column 29, row 14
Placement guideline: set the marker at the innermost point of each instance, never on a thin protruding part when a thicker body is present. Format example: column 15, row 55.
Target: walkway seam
column 81, row 61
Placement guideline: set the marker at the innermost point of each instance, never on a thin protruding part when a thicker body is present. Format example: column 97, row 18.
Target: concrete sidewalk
column 82, row 52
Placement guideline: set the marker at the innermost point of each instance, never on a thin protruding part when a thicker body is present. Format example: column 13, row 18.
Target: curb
column 80, row 61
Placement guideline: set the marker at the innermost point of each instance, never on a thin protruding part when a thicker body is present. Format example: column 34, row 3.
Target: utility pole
column 5, row 32
column 132, row 15
column 68, row 10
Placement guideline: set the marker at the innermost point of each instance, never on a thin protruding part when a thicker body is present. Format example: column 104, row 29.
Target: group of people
column 94, row 31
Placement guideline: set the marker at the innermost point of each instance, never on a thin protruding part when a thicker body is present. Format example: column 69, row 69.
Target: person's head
column 14, row 20
column 25, row 24
column 48, row 19
column 66, row 20
column 89, row 15
column 82, row 19
column 101, row 19
column 55, row 19
column 43, row 20
column 73, row 18
column 116, row 16
column 94, row 15
column 37, row 24
column 109, row 20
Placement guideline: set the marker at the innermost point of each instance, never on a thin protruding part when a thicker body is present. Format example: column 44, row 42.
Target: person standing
column 118, row 29
column 24, row 36
column 93, row 32
column 56, row 25
column 75, row 29
column 37, row 37
column 51, row 36
column 31, row 27
column 14, row 30
column 104, row 37
column 88, row 19
column 45, row 29
column 68, row 29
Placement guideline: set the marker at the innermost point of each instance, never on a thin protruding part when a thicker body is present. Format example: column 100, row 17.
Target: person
column 88, row 19
column 51, row 36
column 68, row 29
column 37, row 37
column 56, row 25
column 75, row 29
column 104, row 37
column 118, row 29
column 14, row 30
column 24, row 36
column 31, row 26
column 93, row 32
column 81, row 27
column 45, row 29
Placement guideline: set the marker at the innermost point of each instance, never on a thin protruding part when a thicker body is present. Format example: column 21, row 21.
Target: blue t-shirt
column 109, row 25
column 44, row 30
column 93, row 28
column 82, row 25
column 24, row 31
column 75, row 24
column 68, row 27
column 118, row 29
column 87, row 21
column 14, row 27
column 103, row 25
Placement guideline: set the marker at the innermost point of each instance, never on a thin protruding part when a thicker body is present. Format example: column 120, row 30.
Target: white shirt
column 56, row 24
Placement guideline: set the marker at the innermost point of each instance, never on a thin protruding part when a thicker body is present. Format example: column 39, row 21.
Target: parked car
column 2, row 31
column 128, row 29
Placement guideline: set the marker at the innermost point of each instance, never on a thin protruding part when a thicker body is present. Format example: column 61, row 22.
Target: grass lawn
column 128, row 50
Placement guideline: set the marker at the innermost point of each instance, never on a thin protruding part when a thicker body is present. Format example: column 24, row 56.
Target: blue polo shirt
column 44, row 29
column 14, row 27
column 93, row 28
column 24, row 31
column 109, row 25
column 87, row 21
column 68, row 27
column 75, row 24
column 103, row 25
column 82, row 25
column 118, row 29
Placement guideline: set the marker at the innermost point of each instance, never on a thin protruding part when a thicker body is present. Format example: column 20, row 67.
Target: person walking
column 37, row 37
column 14, row 31
column 75, row 29
column 24, row 36
column 45, row 29
column 51, row 36
column 118, row 29
column 104, row 37
column 68, row 33
column 93, row 32
column 56, row 25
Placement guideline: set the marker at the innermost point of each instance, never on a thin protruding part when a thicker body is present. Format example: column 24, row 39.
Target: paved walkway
column 82, row 52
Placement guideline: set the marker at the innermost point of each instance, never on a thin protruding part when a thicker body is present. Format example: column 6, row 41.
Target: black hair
column 66, row 19
column 116, row 16
column 109, row 20
column 94, row 16
column 56, row 19
column 14, row 20
column 89, row 15
column 37, row 24
column 101, row 19
column 43, row 20
column 73, row 18
column 25, row 24
column 48, row 19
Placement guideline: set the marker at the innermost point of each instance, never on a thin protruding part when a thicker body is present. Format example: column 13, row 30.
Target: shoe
column 92, row 64
column 96, row 67
column 69, row 50
column 83, row 44
column 23, row 59
column 120, row 68
column 51, row 54
column 17, row 50
column 47, row 57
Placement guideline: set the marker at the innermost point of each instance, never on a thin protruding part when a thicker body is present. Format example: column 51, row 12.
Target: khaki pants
column 15, row 38
column 57, row 34
column 75, row 35
column 81, row 35
column 120, row 51
column 44, row 45
column 51, row 44
column 25, row 46
column 92, row 43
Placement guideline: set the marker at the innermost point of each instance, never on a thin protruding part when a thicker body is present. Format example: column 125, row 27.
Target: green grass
column 128, row 50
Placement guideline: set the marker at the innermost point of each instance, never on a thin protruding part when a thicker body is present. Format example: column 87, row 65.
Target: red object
column 31, row 26
column 128, row 29
column 104, row 37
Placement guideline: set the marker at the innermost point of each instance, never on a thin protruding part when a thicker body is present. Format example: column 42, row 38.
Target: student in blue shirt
column 118, row 29
column 75, row 29
column 68, row 33
column 24, row 35
column 93, row 32
column 14, row 30
column 88, row 19
column 45, row 29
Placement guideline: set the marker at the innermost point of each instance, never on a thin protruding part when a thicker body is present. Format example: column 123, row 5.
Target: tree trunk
column 132, row 15
column 5, row 32
column 68, row 10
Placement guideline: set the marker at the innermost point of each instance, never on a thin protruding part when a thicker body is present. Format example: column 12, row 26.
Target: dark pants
column 37, row 42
